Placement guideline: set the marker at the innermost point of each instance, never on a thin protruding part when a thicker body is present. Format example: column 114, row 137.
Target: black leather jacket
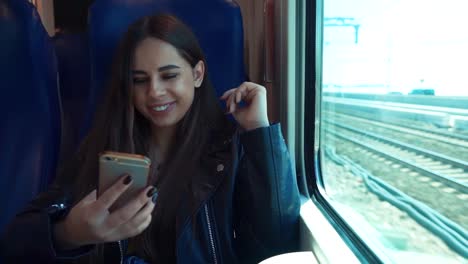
column 246, row 209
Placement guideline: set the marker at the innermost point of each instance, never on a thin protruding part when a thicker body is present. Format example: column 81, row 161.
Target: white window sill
column 319, row 236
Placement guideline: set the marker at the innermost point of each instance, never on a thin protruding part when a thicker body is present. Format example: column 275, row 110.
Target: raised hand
column 254, row 113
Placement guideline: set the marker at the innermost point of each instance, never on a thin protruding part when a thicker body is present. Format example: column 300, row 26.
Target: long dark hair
column 120, row 127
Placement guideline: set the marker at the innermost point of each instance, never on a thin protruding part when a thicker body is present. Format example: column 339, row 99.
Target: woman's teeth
column 161, row 108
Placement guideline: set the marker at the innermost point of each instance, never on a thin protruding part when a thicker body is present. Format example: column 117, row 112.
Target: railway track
column 446, row 170
column 454, row 139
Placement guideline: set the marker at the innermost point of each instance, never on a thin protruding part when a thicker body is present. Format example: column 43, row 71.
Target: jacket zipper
column 121, row 251
column 210, row 232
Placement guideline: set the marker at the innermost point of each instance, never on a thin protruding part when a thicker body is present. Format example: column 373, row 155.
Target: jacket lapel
column 215, row 166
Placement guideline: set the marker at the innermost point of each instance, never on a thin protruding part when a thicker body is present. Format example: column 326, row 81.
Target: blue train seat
column 74, row 75
column 216, row 23
column 29, row 102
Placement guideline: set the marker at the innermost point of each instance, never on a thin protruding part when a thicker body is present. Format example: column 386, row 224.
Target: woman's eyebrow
column 168, row 67
column 160, row 69
column 138, row 72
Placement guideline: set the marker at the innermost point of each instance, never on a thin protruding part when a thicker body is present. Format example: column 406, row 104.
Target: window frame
column 313, row 28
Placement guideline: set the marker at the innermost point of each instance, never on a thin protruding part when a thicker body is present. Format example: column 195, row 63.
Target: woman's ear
column 198, row 74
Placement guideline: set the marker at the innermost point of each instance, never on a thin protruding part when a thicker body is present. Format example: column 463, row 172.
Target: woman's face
column 164, row 83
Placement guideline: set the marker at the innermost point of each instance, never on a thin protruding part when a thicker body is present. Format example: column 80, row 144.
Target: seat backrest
column 29, row 103
column 216, row 23
column 72, row 51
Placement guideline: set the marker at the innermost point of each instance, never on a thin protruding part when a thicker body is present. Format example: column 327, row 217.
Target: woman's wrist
column 255, row 125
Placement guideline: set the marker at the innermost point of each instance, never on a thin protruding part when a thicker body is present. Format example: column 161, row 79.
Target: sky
column 403, row 45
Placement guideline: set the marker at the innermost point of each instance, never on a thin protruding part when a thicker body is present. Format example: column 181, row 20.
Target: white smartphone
column 112, row 165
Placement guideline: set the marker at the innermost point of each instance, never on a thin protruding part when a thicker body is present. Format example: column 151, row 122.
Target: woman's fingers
column 236, row 95
column 251, row 93
column 140, row 228
column 227, row 93
column 108, row 198
column 137, row 224
column 127, row 212
column 232, row 104
column 254, row 113
column 88, row 199
column 249, row 90
column 143, row 213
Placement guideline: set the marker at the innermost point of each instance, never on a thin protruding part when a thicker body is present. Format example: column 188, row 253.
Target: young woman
column 226, row 193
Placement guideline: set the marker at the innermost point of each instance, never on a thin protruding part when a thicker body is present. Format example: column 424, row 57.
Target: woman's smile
column 161, row 109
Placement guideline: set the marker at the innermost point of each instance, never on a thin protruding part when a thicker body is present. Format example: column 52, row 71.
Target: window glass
column 394, row 125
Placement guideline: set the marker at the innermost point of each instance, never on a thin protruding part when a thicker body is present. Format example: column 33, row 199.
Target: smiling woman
column 209, row 207
column 164, row 84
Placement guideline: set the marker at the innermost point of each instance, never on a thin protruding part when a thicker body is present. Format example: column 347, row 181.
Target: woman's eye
column 139, row 80
column 169, row 76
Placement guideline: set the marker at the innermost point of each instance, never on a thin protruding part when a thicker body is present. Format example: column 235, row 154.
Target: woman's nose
column 157, row 88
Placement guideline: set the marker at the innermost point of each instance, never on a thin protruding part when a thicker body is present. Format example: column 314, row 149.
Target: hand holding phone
column 90, row 222
column 112, row 165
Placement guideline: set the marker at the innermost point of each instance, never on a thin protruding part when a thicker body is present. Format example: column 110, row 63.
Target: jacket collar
column 216, row 164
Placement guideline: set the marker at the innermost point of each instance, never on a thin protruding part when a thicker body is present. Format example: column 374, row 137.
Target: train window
column 393, row 151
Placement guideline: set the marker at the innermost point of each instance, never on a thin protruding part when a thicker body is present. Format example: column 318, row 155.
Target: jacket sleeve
column 266, row 203
column 29, row 237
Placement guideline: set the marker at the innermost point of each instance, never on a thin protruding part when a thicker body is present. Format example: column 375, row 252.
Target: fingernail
column 155, row 197
column 151, row 192
column 127, row 180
